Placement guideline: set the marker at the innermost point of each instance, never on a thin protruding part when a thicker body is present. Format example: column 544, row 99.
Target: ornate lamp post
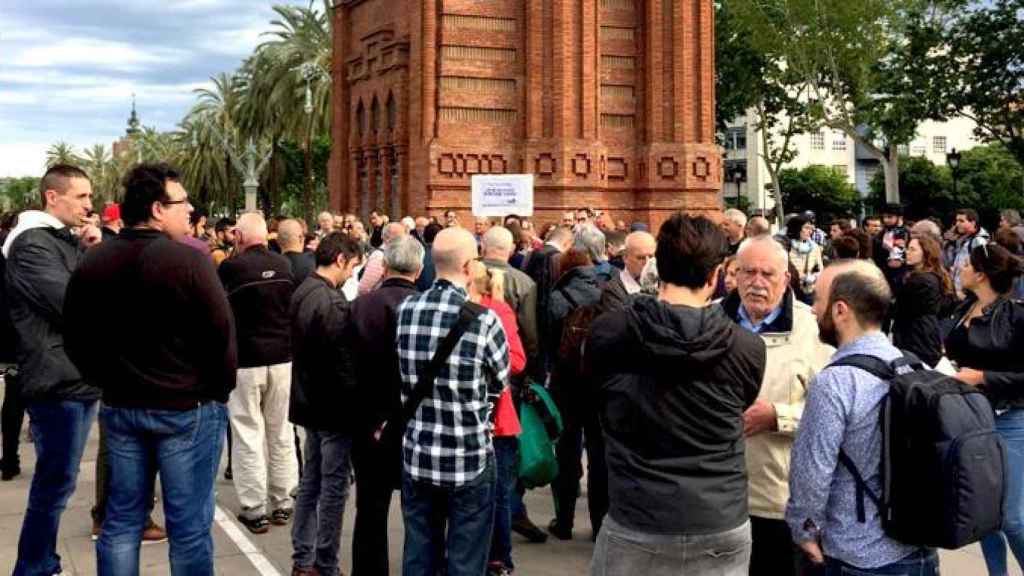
column 245, row 164
column 953, row 160
column 738, row 175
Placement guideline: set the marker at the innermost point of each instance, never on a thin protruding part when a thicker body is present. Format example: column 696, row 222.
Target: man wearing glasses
column 166, row 367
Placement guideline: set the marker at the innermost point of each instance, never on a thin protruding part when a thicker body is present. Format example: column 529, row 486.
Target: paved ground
column 239, row 552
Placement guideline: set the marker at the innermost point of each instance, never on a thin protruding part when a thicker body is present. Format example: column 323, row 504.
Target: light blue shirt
column 747, row 323
column 842, row 411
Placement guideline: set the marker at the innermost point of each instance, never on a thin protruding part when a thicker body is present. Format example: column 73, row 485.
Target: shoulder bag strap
column 469, row 312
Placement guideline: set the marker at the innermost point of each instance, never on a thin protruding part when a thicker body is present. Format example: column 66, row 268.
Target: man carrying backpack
column 828, row 516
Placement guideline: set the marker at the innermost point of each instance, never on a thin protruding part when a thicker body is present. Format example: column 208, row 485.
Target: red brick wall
column 610, row 103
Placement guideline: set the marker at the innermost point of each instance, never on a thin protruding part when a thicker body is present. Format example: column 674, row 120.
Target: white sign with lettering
column 502, row 194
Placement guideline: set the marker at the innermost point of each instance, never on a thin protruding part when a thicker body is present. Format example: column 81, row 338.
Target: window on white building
column 736, row 139
column 918, row 150
column 939, row 144
column 839, row 143
column 817, row 141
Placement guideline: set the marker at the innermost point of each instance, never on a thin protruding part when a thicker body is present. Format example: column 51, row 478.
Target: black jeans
column 580, row 420
column 373, row 499
column 773, row 552
column 12, row 415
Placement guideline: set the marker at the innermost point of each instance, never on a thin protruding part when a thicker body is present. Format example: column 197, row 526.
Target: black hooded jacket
column 673, row 383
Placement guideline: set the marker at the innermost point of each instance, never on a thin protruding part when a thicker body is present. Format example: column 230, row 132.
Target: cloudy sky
column 68, row 68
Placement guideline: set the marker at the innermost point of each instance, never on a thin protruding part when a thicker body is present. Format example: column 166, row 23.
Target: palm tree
column 211, row 123
column 103, row 171
column 292, row 104
column 61, row 153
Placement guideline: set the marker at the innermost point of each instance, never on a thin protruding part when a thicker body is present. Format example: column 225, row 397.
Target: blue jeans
column 185, row 447
column 320, row 502
column 1010, row 426
column 506, row 460
column 59, row 430
column 468, row 514
column 924, row 563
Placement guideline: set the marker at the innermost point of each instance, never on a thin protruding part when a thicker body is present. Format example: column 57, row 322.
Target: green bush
column 821, row 189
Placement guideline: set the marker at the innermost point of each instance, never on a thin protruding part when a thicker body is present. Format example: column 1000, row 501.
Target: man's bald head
column 289, row 235
column 251, row 230
column 393, row 230
column 497, row 244
column 453, row 248
column 640, row 248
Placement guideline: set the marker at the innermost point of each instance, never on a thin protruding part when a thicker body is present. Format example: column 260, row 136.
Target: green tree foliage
column 990, row 179
column 821, row 189
column 17, row 194
column 983, row 65
column 61, row 153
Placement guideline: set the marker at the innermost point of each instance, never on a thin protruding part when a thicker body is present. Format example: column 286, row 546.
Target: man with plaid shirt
column 449, row 460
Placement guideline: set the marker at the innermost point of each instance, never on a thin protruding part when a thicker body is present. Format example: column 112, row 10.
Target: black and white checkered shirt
column 448, row 441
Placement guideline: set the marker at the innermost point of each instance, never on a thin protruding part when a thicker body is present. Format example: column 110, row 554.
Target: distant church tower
column 134, row 130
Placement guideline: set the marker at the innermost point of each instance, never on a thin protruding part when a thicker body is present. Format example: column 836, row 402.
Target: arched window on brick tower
column 364, row 187
column 374, row 115
column 395, row 193
column 360, row 120
column 392, row 110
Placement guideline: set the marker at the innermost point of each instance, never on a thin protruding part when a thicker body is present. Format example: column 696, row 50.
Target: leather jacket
column 992, row 344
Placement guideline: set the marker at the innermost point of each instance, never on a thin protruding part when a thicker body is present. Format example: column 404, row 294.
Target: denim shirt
column 842, row 411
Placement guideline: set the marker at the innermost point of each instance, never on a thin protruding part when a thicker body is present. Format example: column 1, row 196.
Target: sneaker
column 259, row 525
column 281, row 516
column 524, row 527
column 153, row 534
column 559, row 531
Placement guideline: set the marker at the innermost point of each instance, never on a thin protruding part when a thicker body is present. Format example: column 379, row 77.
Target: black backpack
column 943, row 465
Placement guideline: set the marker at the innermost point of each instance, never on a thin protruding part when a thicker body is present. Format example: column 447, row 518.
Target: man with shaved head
column 764, row 304
column 841, row 416
column 640, row 248
column 259, row 286
column 372, row 274
column 291, row 239
column 496, row 247
column 448, row 484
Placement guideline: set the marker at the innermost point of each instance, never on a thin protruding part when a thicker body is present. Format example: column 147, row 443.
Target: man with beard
column 842, row 413
column 764, row 305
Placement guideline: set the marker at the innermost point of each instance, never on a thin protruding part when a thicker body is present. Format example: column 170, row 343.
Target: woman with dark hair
column 920, row 299
column 986, row 345
column 805, row 254
column 865, row 250
column 1009, row 239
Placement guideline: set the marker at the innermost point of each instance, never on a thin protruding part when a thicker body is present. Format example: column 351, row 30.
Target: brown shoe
column 153, row 534
column 97, row 527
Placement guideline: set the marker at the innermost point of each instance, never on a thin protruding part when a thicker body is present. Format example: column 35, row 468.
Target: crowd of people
column 704, row 371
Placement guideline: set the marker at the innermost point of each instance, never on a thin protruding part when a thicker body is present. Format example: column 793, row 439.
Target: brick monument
column 609, row 103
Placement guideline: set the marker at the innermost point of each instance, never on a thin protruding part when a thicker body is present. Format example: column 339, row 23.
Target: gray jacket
column 521, row 296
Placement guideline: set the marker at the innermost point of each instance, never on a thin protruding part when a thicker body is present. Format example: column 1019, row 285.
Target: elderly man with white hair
column 590, row 240
column 764, row 304
column 372, row 274
column 259, row 287
column 325, row 224
column 734, row 223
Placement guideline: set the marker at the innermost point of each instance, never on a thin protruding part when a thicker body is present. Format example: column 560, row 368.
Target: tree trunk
column 307, row 193
column 892, row 176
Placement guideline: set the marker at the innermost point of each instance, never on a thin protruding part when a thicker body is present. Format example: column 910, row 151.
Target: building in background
column 609, row 105
column 126, row 143
column 745, row 169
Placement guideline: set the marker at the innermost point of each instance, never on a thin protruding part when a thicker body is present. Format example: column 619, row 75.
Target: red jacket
column 516, row 355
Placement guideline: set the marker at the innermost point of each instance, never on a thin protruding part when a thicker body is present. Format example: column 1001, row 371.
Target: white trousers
column 263, row 451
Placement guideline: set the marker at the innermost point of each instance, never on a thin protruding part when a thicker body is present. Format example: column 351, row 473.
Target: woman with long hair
column 920, row 299
column 488, row 290
column 805, row 255
column 986, row 345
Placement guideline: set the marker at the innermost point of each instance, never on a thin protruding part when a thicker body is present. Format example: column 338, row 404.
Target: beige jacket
column 793, row 358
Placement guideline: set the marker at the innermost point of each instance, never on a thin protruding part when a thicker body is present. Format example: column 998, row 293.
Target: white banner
column 502, row 194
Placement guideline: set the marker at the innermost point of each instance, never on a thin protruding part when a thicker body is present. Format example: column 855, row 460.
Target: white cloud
column 93, row 52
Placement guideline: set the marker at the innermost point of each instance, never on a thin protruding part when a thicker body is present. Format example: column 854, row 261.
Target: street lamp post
column 953, row 160
column 248, row 165
column 737, row 177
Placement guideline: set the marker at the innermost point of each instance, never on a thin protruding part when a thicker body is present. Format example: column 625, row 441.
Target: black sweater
column 147, row 321
column 259, row 286
column 915, row 326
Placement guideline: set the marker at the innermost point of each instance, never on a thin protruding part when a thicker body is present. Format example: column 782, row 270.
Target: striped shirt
column 448, row 441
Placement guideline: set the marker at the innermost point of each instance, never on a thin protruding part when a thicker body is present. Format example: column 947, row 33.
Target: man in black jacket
column 323, row 402
column 259, row 287
column 166, row 367
column 372, row 335
column 673, row 378
column 290, row 238
column 625, row 283
column 41, row 253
